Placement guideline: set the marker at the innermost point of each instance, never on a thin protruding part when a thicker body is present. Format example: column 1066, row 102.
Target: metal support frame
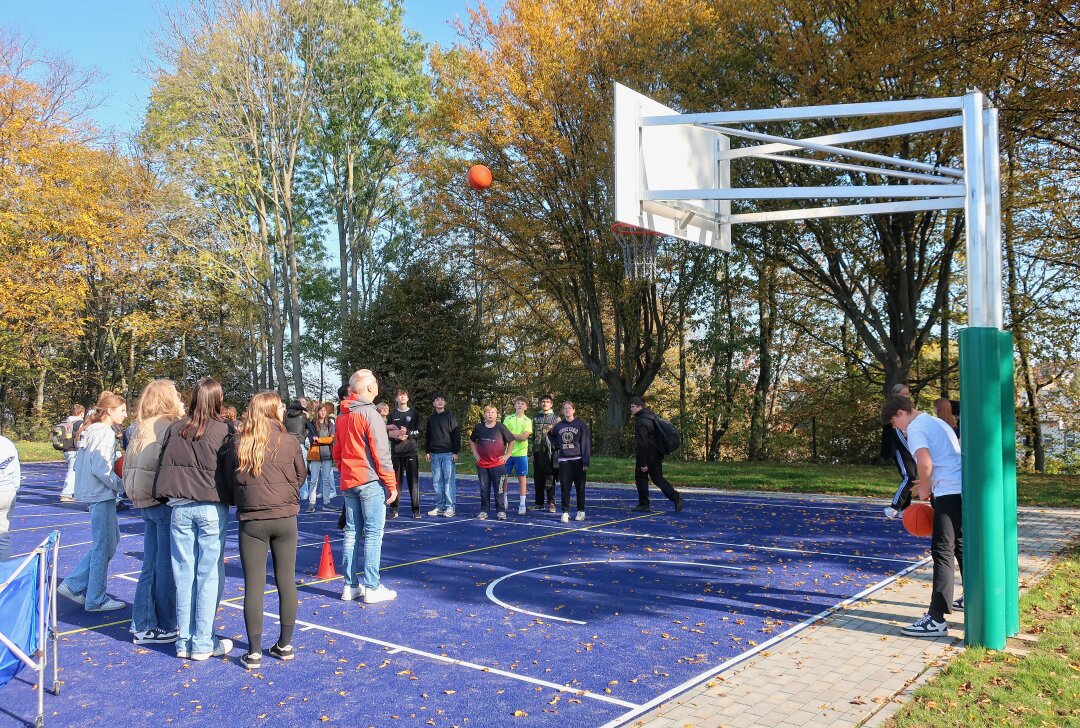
column 986, row 379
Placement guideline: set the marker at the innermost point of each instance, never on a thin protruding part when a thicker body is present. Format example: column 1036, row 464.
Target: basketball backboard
column 678, row 157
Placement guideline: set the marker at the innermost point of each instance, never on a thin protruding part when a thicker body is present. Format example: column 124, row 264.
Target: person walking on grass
column 10, row 478
column 153, row 613
column 320, row 459
column 191, row 479
column 97, row 485
column 521, row 427
column 265, row 470
column 937, row 456
column 403, row 451
column 362, row 453
column 649, row 458
column 442, row 443
column 573, row 443
column 545, row 468
column 65, row 433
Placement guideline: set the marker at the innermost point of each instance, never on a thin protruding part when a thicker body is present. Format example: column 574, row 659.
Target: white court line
column 807, row 552
column 646, row 707
column 452, row 660
column 490, row 591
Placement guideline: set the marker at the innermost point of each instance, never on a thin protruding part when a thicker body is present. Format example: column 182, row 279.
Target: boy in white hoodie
column 97, row 485
column 10, row 474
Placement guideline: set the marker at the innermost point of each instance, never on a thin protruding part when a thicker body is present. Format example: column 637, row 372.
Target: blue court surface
column 528, row 621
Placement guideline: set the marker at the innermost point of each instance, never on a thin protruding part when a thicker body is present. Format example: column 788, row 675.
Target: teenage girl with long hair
column 191, row 479
column 97, row 485
column 153, row 613
column 320, row 458
column 265, row 482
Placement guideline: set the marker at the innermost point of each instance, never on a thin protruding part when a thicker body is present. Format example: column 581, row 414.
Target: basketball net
column 640, row 248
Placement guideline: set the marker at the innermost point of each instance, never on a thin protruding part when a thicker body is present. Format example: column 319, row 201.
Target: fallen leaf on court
column 520, row 714
column 449, row 692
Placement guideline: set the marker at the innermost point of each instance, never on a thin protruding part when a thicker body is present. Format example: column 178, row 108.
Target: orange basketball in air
column 479, row 177
column 919, row 519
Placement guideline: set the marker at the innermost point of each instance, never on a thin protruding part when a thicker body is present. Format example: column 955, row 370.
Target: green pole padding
column 1008, row 482
column 983, row 499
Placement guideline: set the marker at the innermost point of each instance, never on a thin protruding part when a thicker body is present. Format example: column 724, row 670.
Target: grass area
column 37, row 452
column 985, row 688
column 878, row 481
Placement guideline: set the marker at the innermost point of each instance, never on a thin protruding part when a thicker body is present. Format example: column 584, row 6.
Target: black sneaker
column 678, row 502
column 251, row 661
column 958, row 605
column 285, row 653
column 926, row 627
column 155, row 637
column 392, row 513
column 641, row 508
column 416, row 514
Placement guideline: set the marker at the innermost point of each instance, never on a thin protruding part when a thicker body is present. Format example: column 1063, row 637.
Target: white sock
column 522, row 501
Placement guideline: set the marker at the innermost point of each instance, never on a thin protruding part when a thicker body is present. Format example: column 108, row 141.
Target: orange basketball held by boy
column 480, row 177
column 919, row 519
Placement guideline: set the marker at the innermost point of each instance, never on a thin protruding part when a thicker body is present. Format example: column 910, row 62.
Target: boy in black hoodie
column 403, row 451
column 572, row 441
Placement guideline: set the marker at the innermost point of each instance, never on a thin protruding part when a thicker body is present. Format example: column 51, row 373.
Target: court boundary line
column 697, row 680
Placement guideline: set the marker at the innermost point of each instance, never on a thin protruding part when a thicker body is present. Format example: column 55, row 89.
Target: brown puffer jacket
column 141, row 464
column 192, row 469
column 275, row 492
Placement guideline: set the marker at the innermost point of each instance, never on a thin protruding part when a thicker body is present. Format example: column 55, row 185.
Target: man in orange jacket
column 362, row 453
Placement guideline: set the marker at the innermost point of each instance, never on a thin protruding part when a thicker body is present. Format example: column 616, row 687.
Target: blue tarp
column 19, row 611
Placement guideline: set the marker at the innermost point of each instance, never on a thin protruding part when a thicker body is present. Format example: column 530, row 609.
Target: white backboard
column 678, row 157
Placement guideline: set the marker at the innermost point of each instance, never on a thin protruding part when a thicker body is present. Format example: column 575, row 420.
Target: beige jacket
column 140, row 466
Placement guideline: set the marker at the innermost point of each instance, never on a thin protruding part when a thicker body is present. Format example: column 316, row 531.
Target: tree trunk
column 39, row 396
column 757, row 448
column 943, row 389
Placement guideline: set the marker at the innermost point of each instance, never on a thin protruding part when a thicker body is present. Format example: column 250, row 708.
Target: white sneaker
column 435, row 512
column 348, row 593
column 521, row 510
column 310, row 508
column 221, row 649
column 111, row 604
column 65, row 591
column 449, row 513
column 565, row 517
column 891, row 513
column 580, row 516
column 927, row 626
column 379, row 594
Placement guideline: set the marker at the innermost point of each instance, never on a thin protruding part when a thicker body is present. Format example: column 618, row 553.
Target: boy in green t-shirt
column 521, row 428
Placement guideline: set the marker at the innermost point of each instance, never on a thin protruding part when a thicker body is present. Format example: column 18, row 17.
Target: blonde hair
column 158, row 399
column 262, row 417
column 107, row 401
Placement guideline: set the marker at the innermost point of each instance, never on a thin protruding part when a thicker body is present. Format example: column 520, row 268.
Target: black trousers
column 572, row 472
column 544, row 480
column 407, row 470
column 947, row 550
column 257, row 538
column 656, row 472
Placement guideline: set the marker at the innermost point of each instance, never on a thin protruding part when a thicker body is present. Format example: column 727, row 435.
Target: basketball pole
column 990, row 574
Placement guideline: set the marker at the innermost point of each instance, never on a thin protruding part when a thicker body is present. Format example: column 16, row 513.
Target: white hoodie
column 94, row 477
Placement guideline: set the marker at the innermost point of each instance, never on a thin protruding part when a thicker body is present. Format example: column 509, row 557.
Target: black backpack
column 62, row 436
column 667, row 437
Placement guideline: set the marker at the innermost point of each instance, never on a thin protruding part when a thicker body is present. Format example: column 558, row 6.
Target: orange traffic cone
column 326, row 561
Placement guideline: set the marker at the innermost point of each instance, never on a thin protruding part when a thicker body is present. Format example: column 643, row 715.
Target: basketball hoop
column 640, row 247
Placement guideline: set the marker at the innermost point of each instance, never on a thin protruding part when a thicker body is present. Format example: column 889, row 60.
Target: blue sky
column 115, row 37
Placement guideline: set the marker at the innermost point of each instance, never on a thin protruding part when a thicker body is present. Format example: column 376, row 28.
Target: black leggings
column 407, row 468
column 278, row 536
column 572, row 471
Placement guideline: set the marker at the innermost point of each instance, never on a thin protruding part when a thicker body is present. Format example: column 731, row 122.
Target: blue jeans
column 155, row 596
column 92, row 571
column 491, row 480
column 444, row 478
column 364, row 504
column 69, row 477
column 320, row 476
column 198, row 545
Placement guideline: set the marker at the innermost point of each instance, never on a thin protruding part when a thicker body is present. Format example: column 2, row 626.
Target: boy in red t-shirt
column 491, row 443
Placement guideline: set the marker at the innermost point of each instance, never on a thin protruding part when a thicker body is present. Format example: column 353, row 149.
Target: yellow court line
column 420, row 561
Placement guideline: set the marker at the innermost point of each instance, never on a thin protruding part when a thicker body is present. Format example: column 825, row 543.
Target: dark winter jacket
column 275, row 492
column 192, row 469
column 443, row 433
column 296, row 421
column 646, row 438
